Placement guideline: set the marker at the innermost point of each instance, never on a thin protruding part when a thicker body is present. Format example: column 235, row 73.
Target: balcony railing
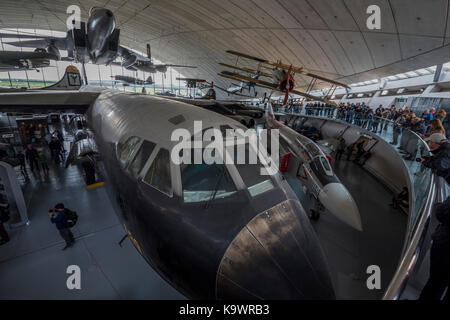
column 409, row 146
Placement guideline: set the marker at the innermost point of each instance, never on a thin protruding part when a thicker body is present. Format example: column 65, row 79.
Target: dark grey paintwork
column 17, row 60
column 239, row 247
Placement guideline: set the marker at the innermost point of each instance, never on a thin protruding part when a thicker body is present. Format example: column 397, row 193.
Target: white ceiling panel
column 334, row 51
column 356, row 49
column 415, row 45
column 422, row 18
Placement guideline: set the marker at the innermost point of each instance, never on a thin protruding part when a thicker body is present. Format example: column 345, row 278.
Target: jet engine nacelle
column 54, row 51
column 161, row 68
column 129, row 61
column 100, row 26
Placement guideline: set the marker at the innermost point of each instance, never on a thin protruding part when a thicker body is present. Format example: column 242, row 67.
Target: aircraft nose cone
column 336, row 198
column 275, row 256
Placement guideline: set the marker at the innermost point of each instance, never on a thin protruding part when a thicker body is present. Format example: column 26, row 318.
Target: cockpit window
column 158, row 175
column 141, row 158
column 251, row 175
column 326, row 165
column 203, row 182
column 126, row 149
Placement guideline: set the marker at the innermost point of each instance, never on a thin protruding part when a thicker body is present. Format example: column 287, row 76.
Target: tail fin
column 149, row 80
column 149, row 51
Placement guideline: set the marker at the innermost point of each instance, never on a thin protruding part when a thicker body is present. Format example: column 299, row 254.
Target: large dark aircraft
column 96, row 42
column 17, row 60
column 127, row 80
column 215, row 231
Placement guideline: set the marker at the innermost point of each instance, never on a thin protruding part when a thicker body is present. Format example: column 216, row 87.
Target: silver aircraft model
column 96, row 42
column 17, row 60
column 213, row 231
column 134, row 61
column 127, row 80
column 313, row 167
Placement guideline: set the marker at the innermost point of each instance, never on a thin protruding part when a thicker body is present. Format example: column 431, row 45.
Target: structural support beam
column 437, row 73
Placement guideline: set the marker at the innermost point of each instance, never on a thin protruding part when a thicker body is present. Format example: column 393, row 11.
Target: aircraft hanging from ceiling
column 97, row 42
column 282, row 77
column 127, row 80
column 17, row 60
column 201, row 84
column 213, row 231
column 248, row 85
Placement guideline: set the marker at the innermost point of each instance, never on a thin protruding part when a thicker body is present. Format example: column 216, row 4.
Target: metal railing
column 409, row 146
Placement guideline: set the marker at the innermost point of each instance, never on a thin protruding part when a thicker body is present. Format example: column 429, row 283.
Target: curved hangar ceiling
column 328, row 37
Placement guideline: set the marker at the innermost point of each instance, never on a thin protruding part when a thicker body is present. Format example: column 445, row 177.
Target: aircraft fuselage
column 248, row 244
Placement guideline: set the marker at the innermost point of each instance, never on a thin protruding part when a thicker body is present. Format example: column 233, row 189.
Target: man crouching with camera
column 60, row 216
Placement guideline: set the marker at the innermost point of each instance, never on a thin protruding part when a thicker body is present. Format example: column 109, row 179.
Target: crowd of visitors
column 36, row 154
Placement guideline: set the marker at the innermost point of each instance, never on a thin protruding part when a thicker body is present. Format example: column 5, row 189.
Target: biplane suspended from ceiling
column 193, row 83
column 282, row 77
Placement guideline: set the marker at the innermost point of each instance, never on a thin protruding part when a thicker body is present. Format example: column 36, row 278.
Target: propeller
column 287, row 80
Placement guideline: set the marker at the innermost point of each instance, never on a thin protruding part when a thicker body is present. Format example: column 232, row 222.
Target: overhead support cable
column 437, row 73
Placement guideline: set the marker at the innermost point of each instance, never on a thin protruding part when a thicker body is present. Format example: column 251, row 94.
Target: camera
column 419, row 159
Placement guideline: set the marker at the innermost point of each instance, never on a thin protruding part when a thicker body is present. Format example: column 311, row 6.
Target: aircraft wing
column 19, row 55
column 60, row 43
column 262, row 74
column 234, row 93
column 42, row 101
column 22, row 36
column 15, row 60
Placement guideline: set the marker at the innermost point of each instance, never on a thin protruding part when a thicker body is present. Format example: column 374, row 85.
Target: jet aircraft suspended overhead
column 282, row 77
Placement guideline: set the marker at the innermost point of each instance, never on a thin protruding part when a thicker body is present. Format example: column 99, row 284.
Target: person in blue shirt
column 427, row 116
column 59, row 218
